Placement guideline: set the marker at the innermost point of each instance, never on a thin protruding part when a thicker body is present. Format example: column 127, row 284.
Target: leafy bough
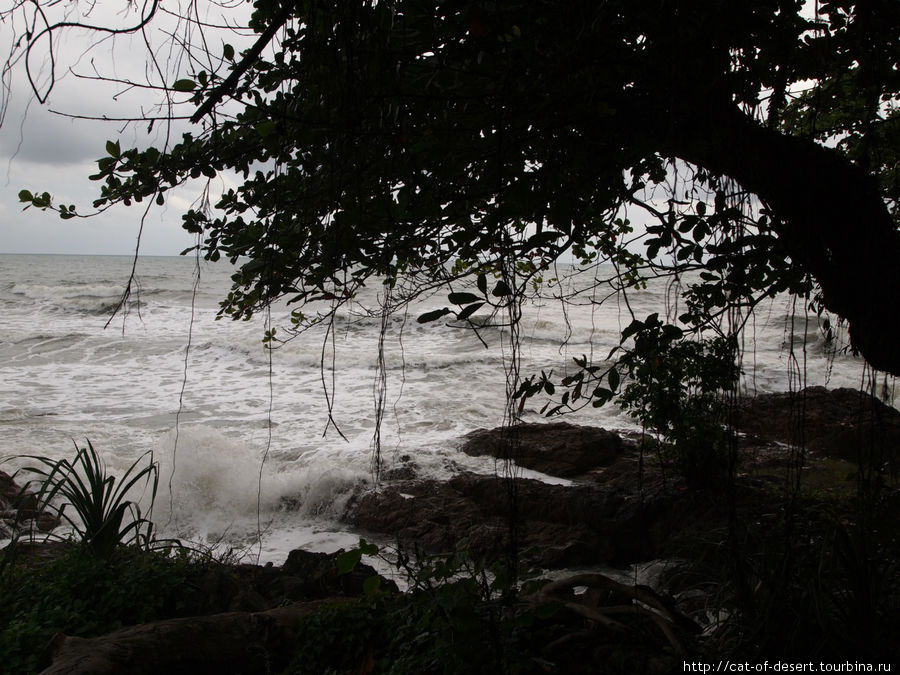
column 103, row 516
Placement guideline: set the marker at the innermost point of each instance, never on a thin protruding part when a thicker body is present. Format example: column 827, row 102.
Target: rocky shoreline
column 623, row 502
column 613, row 501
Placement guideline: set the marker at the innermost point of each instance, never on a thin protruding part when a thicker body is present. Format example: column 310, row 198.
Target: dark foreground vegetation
column 804, row 570
column 469, row 147
column 833, row 601
column 447, row 624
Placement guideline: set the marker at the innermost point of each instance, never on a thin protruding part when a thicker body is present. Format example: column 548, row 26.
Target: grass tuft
column 103, row 517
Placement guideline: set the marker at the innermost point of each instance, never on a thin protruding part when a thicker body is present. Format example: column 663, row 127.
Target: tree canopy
column 406, row 139
column 746, row 148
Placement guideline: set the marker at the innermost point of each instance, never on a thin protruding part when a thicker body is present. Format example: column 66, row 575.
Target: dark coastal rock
column 558, row 526
column 37, row 554
column 318, row 576
column 427, row 514
column 628, row 505
column 833, row 422
column 403, row 469
column 305, row 575
column 19, row 510
column 557, row 449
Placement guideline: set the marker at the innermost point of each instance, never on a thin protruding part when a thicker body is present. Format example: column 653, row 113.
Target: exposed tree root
column 606, row 598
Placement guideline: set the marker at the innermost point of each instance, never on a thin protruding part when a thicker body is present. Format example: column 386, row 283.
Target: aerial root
column 606, row 598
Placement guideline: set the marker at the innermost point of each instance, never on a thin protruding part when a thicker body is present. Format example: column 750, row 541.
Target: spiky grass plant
column 98, row 499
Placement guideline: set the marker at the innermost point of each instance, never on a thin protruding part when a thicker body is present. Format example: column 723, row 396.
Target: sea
column 261, row 449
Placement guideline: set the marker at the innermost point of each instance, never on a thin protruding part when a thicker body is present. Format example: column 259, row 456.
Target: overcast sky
column 43, row 151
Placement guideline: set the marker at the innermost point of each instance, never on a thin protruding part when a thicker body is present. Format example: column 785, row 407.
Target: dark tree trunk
column 830, row 215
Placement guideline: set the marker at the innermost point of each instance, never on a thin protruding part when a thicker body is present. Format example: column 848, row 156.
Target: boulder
column 557, row 526
column 19, row 510
column 837, row 423
column 556, row 448
column 627, row 505
column 426, row 514
column 305, row 575
column 402, row 469
column 315, row 575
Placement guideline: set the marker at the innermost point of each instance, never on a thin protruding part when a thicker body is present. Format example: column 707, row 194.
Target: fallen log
column 232, row 642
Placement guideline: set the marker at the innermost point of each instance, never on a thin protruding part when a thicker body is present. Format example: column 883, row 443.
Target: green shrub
column 85, row 596
column 458, row 617
column 449, row 629
column 97, row 498
column 677, row 388
column 825, row 590
column 452, row 620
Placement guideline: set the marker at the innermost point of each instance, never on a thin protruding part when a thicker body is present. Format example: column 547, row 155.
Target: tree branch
column 250, row 57
column 828, row 212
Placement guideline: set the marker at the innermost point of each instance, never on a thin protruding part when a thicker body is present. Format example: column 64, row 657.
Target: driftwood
column 233, row 642
column 607, row 598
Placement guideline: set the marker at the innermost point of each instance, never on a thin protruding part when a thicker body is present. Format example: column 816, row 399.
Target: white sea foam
column 63, row 377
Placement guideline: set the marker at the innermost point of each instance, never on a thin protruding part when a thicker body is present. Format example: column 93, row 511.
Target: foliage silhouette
column 743, row 149
column 99, row 500
column 432, row 141
column 76, row 593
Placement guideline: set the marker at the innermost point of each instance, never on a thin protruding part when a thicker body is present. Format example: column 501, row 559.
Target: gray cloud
column 43, row 151
column 45, row 138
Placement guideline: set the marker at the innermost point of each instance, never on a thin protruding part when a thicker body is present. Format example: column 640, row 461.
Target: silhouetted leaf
column 184, row 85
column 481, row 282
column 462, row 298
column 502, row 289
column 613, row 379
column 348, row 560
column 433, row 316
column 469, row 311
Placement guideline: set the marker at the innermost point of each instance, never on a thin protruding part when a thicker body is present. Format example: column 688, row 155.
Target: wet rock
column 627, row 504
column 405, row 469
column 427, row 514
column 557, row 448
column 37, row 553
column 19, row 511
column 312, row 574
column 838, row 423
column 557, row 526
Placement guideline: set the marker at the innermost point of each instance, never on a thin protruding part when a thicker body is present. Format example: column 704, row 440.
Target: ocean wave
column 212, row 482
column 103, row 298
column 55, row 292
column 13, row 415
column 45, row 343
column 122, row 389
